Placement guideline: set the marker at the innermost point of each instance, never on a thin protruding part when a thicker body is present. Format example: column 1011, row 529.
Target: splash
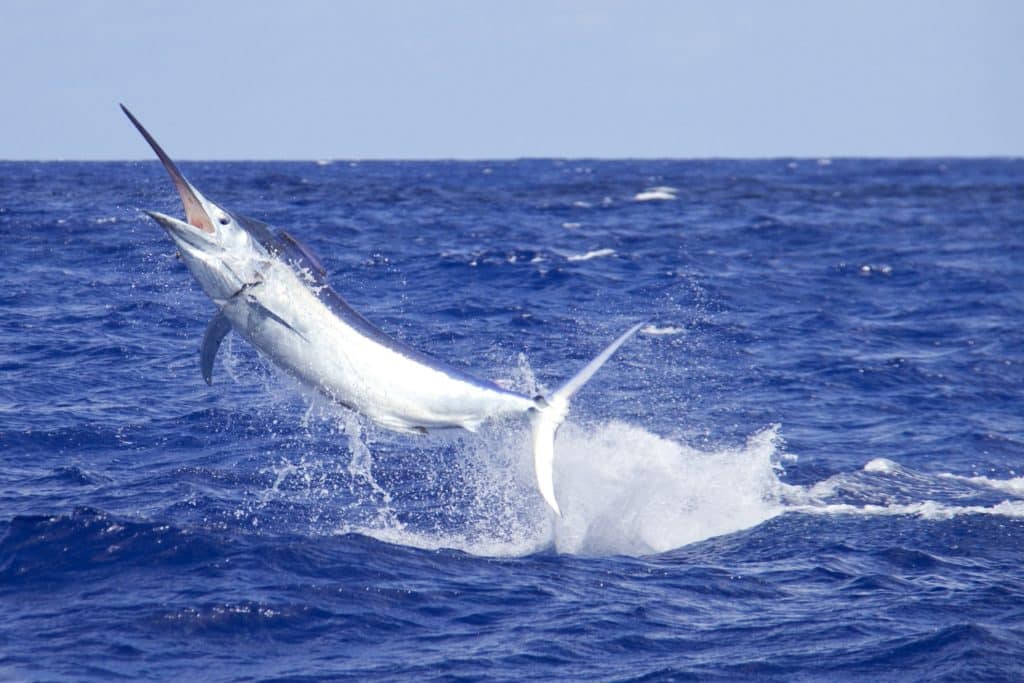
column 623, row 489
column 628, row 491
column 360, row 467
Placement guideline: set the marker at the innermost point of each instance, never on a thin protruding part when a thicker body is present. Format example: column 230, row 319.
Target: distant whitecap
column 660, row 193
column 597, row 253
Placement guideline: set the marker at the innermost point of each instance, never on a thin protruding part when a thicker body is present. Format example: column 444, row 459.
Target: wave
column 886, row 488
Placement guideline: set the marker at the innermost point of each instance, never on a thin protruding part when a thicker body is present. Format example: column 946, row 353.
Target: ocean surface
column 808, row 466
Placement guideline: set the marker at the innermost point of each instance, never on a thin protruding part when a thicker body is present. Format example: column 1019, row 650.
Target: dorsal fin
column 261, row 232
column 281, row 242
column 301, row 254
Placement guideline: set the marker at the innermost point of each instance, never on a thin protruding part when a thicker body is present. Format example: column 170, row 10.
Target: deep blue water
column 808, row 466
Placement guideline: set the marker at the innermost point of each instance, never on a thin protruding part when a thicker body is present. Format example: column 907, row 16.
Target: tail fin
column 551, row 413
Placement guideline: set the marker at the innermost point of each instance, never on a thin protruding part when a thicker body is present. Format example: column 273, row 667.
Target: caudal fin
column 551, row 413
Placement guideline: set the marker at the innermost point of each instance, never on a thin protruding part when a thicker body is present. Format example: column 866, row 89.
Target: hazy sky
column 309, row 79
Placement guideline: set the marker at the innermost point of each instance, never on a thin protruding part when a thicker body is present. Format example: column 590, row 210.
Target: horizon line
column 339, row 160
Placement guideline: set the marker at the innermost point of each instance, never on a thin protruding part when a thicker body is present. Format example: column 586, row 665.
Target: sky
column 321, row 79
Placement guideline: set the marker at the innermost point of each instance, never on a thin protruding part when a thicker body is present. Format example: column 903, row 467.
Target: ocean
column 808, row 465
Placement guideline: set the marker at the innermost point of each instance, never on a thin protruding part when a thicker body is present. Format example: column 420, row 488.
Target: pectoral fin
column 215, row 332
column 220, row 325
column 258, row 309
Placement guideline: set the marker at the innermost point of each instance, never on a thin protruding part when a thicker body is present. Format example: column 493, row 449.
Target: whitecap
column 926, row 509
column 597, row 253
column 655, row 194
column 881, row 465
column 1014, row 485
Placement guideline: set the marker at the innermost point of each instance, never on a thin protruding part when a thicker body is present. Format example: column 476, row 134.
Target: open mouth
column 195, row 214
column 185, row 235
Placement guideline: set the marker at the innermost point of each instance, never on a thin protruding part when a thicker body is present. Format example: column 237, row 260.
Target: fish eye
column 224, row 220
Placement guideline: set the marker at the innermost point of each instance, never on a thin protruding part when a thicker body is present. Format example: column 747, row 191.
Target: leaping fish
column 272, row 290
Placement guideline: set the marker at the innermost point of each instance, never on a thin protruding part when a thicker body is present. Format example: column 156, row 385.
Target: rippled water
column 807, row 466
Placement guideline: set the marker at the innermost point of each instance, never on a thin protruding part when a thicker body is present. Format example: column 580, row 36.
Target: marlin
column 270, row 289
